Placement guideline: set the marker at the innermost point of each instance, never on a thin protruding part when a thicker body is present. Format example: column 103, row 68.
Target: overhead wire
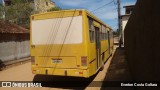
column 102, row 6
column 114, row 2
column 54, row 34
column 51, row 33
column 48, row 47
column 102, row 11
column 66, row 33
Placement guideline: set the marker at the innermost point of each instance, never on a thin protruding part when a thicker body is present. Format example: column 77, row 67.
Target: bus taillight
column 84, row 61
column 32, row 60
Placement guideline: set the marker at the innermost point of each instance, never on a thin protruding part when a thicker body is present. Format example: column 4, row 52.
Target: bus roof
column 69, row 10
column 92, row 16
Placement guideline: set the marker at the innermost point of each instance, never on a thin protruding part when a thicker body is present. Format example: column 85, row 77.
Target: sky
column 107, row 14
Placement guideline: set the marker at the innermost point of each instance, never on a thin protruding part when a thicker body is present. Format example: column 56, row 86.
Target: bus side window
column 103, row 33
column 106, row 34
column 91, row 30
column 101, row 36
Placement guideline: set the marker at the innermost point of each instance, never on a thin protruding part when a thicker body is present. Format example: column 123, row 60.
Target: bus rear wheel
column 102, row 67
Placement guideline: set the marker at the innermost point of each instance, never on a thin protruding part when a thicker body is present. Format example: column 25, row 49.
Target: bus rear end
column 57, row 44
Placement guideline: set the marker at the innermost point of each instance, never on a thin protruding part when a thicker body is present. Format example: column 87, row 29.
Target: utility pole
column 119, row 23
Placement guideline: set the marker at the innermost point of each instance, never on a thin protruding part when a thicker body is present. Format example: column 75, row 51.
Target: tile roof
column 6, row 27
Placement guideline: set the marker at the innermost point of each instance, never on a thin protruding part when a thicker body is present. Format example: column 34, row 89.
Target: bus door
column 98, row 46
column 109, row 50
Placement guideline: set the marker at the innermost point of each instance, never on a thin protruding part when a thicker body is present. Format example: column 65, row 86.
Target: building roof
column 128, row 6
column 6, row 27
column 125, row 15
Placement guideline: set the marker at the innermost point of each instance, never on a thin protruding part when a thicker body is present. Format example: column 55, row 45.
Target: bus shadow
column 2, row 65
column 118, row 72
column 64, row 82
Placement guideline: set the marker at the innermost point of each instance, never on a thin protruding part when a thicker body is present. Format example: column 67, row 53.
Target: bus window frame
column 91, row 29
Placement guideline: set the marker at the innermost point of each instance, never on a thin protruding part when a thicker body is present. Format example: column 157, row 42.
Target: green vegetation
column 19, row 12
column 54, row 9
column 1, row 11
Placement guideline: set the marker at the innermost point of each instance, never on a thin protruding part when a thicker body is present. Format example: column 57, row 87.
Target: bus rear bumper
column 61, row 72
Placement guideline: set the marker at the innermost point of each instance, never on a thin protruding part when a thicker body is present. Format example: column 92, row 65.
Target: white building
column 125, row 18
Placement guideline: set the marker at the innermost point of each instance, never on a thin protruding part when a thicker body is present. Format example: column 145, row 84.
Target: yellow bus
column 69, row 43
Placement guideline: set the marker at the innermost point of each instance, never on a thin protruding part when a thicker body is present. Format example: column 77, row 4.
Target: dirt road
column 23, row 73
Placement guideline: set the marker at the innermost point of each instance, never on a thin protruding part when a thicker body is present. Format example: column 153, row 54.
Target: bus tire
column 102, row 67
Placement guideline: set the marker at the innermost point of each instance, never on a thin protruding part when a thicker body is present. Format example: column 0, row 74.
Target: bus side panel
column 92, row 59
column 111, row 40
column 91, row 49
column 105, row 50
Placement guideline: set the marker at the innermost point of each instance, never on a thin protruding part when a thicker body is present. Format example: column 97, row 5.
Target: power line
column 102, row 12
column 114, row 2
column 103, row 6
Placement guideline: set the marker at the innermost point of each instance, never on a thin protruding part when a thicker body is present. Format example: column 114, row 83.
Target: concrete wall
column 142, row 40
column 124, row 22
column 14, row 46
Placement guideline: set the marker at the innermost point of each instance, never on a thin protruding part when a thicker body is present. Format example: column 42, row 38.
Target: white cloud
column 109, row 12
column 108, row 15
column 95, row 5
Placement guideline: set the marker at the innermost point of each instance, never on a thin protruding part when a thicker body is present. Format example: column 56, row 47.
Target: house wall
column 142, row 41
column 41, row 5
column 14, row 46
column 124, row 22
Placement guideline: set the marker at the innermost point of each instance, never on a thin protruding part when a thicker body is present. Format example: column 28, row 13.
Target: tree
column 54, row 9
column 2, row 11
column 19, row 12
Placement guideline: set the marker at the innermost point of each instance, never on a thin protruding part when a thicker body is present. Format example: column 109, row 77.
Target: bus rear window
column 66, row 30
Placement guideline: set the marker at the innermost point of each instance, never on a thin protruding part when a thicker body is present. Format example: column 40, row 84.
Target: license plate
column 57, row 61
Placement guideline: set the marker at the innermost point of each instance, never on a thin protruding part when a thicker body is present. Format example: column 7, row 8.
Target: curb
column 14, row 62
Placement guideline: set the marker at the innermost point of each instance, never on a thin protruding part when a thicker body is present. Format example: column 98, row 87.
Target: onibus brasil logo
column 21, row 84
